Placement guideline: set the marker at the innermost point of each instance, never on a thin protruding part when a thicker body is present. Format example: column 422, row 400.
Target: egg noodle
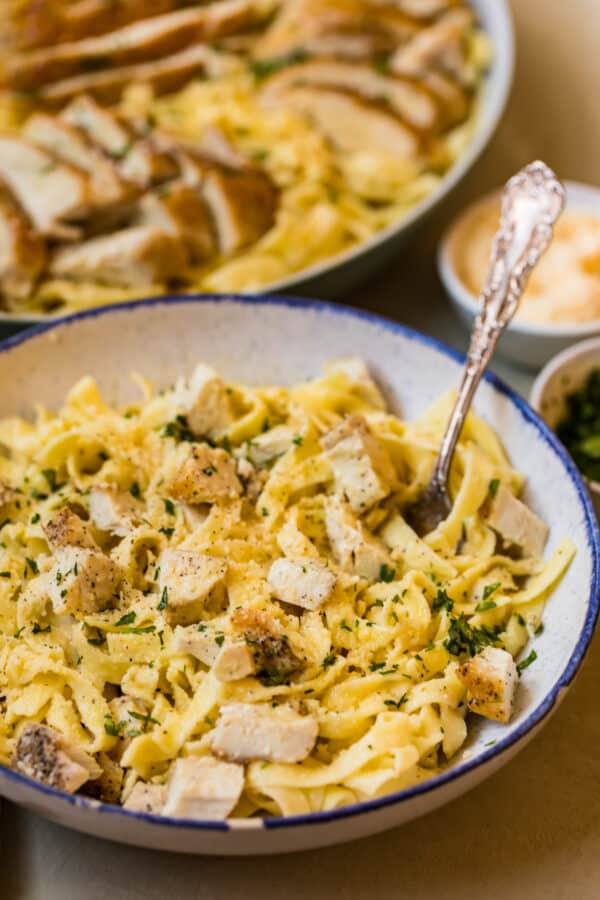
column 374, row 664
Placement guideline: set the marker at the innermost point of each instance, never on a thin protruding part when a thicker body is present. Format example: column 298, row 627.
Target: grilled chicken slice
column 353, row 124
column 242, row 205
column 178, row 209
column 164, row 75
column 70, row 144
column 405, row 98
column 439, row 46
column 52, row 193
column 46, row 755
column 137, row 158
column 351, row 27
column 46, row 22
column 22, row 250
column 135, row 257
column 140, row 42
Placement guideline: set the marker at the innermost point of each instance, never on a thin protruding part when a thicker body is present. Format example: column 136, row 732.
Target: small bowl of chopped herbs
column 566, row 394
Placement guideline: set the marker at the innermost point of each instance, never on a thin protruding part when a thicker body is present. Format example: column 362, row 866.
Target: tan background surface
column 533, row 830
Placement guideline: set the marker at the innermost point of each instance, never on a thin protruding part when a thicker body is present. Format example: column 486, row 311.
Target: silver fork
column 531, row 202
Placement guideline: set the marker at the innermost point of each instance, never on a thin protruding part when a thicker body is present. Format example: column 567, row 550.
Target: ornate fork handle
column 531, row 202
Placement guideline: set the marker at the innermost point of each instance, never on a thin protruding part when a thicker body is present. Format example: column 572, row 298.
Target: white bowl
column 563, row 375
column 334, row 276
column 271, row 340
column 527, row 343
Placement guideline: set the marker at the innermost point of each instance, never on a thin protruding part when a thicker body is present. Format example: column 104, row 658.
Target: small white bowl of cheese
column 561, row 304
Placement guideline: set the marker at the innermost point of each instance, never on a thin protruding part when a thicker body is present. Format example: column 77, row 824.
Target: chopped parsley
column 127, row 619
column 264, row 68
column 220, row 640
column 466, row 639
column 329, row 660
column 146, row 719
column 31, row 563
column 37, row 628
column 169, row 506
column 50, row 476
column 526, row 662
column 493, row 487
column 490, row 589
column 5, row 575
column 112, row 729
column 386, row 574
column 168, row 532
column 178, row 429
column 144, row 629
column 135, row 490
column 164, row 599
column 297, row 440
column 442, row 601
column 484, row 605
column 397, row 704
column 375, row 667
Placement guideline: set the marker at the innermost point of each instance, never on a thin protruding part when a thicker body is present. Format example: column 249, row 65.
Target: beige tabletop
column 533, row 830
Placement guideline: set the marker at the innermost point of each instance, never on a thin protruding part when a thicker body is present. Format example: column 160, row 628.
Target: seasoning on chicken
column 186, row 581
column 491, row 679
column 82, row 581
column 364, row 472
column 46, row 755
column 65, row 528
column 302, row 582
column 204, row 475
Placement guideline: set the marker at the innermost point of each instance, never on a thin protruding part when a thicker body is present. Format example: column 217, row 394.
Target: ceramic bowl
column 332, row 277
column 527, row 343
column 275, row 340
column 564, row 374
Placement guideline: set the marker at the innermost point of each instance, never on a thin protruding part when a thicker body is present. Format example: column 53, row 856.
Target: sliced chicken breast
column 22, row 251
column 135, row 257
column 140, row 42
column 203, row 788
column 54, row 194
column 438, row 46
column 68, row 143
column 179, row 210
column 407, row 99
column 164, row 75
column 242, row 205
column 351, row 123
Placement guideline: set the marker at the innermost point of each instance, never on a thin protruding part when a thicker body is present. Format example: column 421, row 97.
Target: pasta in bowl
column 213, row 608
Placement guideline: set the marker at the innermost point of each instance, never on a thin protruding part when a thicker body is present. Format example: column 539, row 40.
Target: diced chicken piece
column 491, row 679
column 203, row 645
column 148, row 39
column 188, row 579
column 179, row 210
column 516, row 524
column 253, row 480
column 164, row 76
column 113, row 510
column 69, row 144
column 65, row 528
column 246, row 731
column 205, row 475
column 359, row 377
column 440, row 45
column 52, row 194
column 452, row 98
column 203, row 788
column 351, row 123
column 108, row 786
column 407, row 99
column 147, row 798
column 270, row 444
column 22, row 250
column 242, row 205
column 364, row 472
column 135, row 257
column 354, row 549
column 234, row 662
column 137, row 159
column 46, row 755
column 301, row 582
column 204, row 401
column 82, row 581
column 274, row 660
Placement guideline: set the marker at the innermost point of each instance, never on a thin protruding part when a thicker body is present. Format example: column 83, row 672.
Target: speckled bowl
column 271, row 340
